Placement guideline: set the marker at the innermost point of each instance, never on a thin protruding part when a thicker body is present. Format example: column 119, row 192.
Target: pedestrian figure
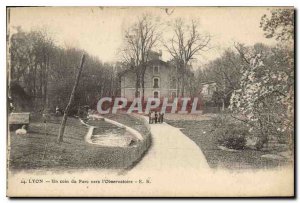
column 11, row 106
column 155, row 118
column 57, row 111
column 162, row 118
column 159, row 117
column 150, row 117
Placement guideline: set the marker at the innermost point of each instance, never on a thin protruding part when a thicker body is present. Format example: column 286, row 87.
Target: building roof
column 151, row 62
column 158, row 61
column 123, row 72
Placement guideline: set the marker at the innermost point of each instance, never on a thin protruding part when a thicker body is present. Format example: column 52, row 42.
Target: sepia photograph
column 150, row 101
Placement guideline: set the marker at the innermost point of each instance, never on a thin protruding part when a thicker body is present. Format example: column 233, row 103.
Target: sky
column 100, row 30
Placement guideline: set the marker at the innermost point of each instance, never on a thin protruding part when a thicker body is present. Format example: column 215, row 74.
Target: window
column 173, row 83
column 155, row 94
column 155, row 83
column 155, row 70
column 173, row 94
column 208, row 90
column 211, row 90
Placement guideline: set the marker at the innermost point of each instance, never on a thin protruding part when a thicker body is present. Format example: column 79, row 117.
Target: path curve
column 171, row 151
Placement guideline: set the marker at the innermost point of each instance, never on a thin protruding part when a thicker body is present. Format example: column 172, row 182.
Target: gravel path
column 171, row 150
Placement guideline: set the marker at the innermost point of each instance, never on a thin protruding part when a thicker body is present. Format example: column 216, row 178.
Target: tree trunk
column 143, row 89
column 223, row 104
column 64, row 120
column 143, row 84
column 137, row 84
column 224, row 95
column 46, row 106
column 182, row 83
column 34, row 81
column 41, row 81
column 177, row 81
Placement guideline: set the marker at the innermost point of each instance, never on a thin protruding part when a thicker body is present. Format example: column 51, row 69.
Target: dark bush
column 232, row 135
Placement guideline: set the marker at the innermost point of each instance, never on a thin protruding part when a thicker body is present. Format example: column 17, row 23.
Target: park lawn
column 131, row 121
column 38, row 150
column 201, row 132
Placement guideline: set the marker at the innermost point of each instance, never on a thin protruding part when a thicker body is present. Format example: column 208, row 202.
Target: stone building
column 160, row 80
column 208, row 90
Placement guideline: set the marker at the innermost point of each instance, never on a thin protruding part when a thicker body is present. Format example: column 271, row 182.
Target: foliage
column 45, row 72
column 279, row 25
column 225, row 71
column 233, row 139
column 265, row 97
column 231, row 134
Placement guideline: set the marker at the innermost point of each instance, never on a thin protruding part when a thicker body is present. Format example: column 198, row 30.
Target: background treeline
column 226, row 71
column 42, row 74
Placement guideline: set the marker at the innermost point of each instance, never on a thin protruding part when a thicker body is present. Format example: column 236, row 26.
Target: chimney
column 160, row 54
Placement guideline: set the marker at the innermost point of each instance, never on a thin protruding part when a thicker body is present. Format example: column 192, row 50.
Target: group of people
column 155, row 117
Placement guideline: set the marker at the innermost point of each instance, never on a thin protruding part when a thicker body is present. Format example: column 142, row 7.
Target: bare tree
column 140, row 39
column 186, row 43
column 225, row 72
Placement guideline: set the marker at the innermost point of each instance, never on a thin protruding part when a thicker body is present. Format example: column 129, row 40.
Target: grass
column 39, row 150
column 200, row 131
column 126, row 119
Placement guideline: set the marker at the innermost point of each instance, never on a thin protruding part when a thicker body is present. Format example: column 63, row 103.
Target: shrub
column 232, row 136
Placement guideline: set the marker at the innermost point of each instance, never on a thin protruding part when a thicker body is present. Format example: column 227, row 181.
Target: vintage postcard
column 150, row 101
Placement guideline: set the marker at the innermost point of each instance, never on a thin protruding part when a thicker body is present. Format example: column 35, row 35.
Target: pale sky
column 99, row 30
